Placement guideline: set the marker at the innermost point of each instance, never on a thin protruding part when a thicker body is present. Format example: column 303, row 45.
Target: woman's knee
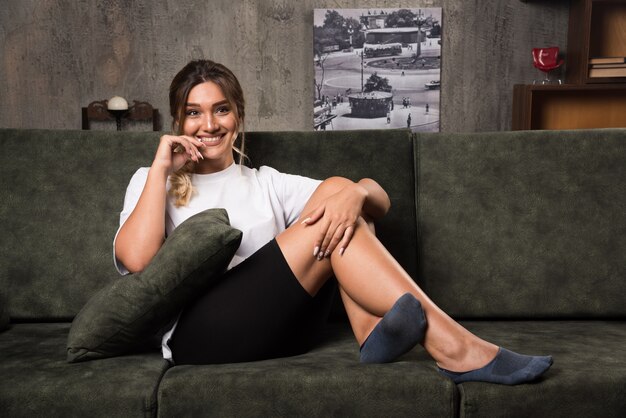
column 326, row 189
column 333, row 185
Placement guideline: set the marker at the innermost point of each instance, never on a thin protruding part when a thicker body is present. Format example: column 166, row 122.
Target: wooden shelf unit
column 597, row 29
column 569, row 106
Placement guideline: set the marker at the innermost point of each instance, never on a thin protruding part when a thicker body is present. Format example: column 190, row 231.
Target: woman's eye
column 192, row 113
column 222, row 109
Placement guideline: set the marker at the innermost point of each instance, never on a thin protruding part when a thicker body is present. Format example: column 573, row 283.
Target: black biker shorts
column 257, row 310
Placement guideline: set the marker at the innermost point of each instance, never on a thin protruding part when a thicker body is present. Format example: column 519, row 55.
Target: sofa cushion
column 523, row 224
column 587, row 379
column 131, row 310
column 59, row 210
column 327, row 381
column 37, row 381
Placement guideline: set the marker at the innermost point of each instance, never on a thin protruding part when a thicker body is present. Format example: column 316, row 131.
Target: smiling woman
column 297, row 233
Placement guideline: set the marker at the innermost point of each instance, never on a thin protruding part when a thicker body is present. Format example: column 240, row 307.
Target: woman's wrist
column 361, row 190
column 377, row 201
column 160, row 168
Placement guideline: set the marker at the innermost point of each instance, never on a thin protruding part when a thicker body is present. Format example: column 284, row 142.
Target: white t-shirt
column 260, row 203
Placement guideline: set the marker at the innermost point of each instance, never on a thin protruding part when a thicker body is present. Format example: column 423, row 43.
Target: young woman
column 297, row 233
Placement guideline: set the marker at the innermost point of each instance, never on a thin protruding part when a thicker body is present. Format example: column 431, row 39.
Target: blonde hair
column 192, row 74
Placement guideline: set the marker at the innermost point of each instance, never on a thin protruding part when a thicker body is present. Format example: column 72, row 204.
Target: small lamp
column 118, row 107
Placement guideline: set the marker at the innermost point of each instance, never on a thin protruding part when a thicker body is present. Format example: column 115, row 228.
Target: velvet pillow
column 131, row 310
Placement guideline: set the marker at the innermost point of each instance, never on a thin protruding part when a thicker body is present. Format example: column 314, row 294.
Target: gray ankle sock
column 401, row 329
column 507, row 368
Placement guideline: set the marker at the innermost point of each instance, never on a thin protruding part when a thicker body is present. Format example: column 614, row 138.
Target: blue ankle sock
column 507, row 368
column 401, row 329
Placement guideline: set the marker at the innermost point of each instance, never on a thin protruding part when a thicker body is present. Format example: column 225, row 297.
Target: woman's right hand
column 175, row 151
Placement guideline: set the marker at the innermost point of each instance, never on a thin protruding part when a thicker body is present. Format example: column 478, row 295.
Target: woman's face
column 210, row 118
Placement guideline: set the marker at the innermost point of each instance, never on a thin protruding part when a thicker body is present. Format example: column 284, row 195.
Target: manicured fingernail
column 305, row 221
column 315, row 251
column 341, row 250
column 327, row 253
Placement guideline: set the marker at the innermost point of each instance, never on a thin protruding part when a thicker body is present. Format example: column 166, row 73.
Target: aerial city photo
column 377, row 69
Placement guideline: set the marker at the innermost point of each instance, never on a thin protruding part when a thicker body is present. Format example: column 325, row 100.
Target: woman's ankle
column 465, row 354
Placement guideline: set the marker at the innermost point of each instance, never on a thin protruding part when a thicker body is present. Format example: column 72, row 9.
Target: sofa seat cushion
column 587, row 379
column 327, row 381
column 37, row 380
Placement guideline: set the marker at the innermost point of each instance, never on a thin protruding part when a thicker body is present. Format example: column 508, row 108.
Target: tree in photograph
column 401, row 19
column 320, row 58
column 339, row 31
column 376, row 83
column 333, row 20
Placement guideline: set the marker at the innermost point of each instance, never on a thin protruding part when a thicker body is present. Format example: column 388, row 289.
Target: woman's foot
column 507, row 368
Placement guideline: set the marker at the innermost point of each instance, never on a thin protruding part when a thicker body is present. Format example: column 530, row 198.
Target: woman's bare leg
column 373, row 280
column 361, row 321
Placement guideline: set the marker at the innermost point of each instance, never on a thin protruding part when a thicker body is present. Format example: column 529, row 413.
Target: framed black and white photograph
column 377, row 68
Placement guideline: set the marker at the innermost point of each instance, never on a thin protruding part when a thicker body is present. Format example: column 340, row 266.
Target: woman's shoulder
column 279, row 177
column 266, row 170
column 271, row 171
column 267, row 173
column 139, row 178
column 141, row 174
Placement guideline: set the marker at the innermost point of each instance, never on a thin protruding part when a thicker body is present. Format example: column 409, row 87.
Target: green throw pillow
column 129, row 311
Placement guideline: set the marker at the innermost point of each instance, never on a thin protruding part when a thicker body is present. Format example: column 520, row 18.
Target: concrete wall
column 59, row 55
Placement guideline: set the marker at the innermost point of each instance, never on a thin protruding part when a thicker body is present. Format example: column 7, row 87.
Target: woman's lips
column 210, row 140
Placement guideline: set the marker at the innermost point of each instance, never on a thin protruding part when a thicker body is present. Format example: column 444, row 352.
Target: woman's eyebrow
column 220, row 103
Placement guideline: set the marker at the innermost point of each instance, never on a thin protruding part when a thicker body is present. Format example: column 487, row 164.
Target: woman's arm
column 377, row 202
column 143, row 233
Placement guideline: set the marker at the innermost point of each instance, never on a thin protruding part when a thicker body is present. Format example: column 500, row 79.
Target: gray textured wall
column 59, row 55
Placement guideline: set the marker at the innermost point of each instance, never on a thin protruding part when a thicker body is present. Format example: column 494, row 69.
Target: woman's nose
column 210, row 123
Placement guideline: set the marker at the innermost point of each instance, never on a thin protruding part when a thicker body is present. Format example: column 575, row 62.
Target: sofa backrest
column 523, row 224
column 61, row 193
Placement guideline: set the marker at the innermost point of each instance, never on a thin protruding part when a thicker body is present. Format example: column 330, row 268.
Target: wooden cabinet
column 597, row 29
column 569, row 106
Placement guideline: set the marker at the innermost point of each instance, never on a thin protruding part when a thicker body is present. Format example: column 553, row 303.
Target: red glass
column 546, row 60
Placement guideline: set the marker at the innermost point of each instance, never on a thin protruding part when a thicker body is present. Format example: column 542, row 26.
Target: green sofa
column 519, row 235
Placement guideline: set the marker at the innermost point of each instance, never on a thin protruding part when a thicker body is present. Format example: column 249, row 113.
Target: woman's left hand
column 337, row 217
